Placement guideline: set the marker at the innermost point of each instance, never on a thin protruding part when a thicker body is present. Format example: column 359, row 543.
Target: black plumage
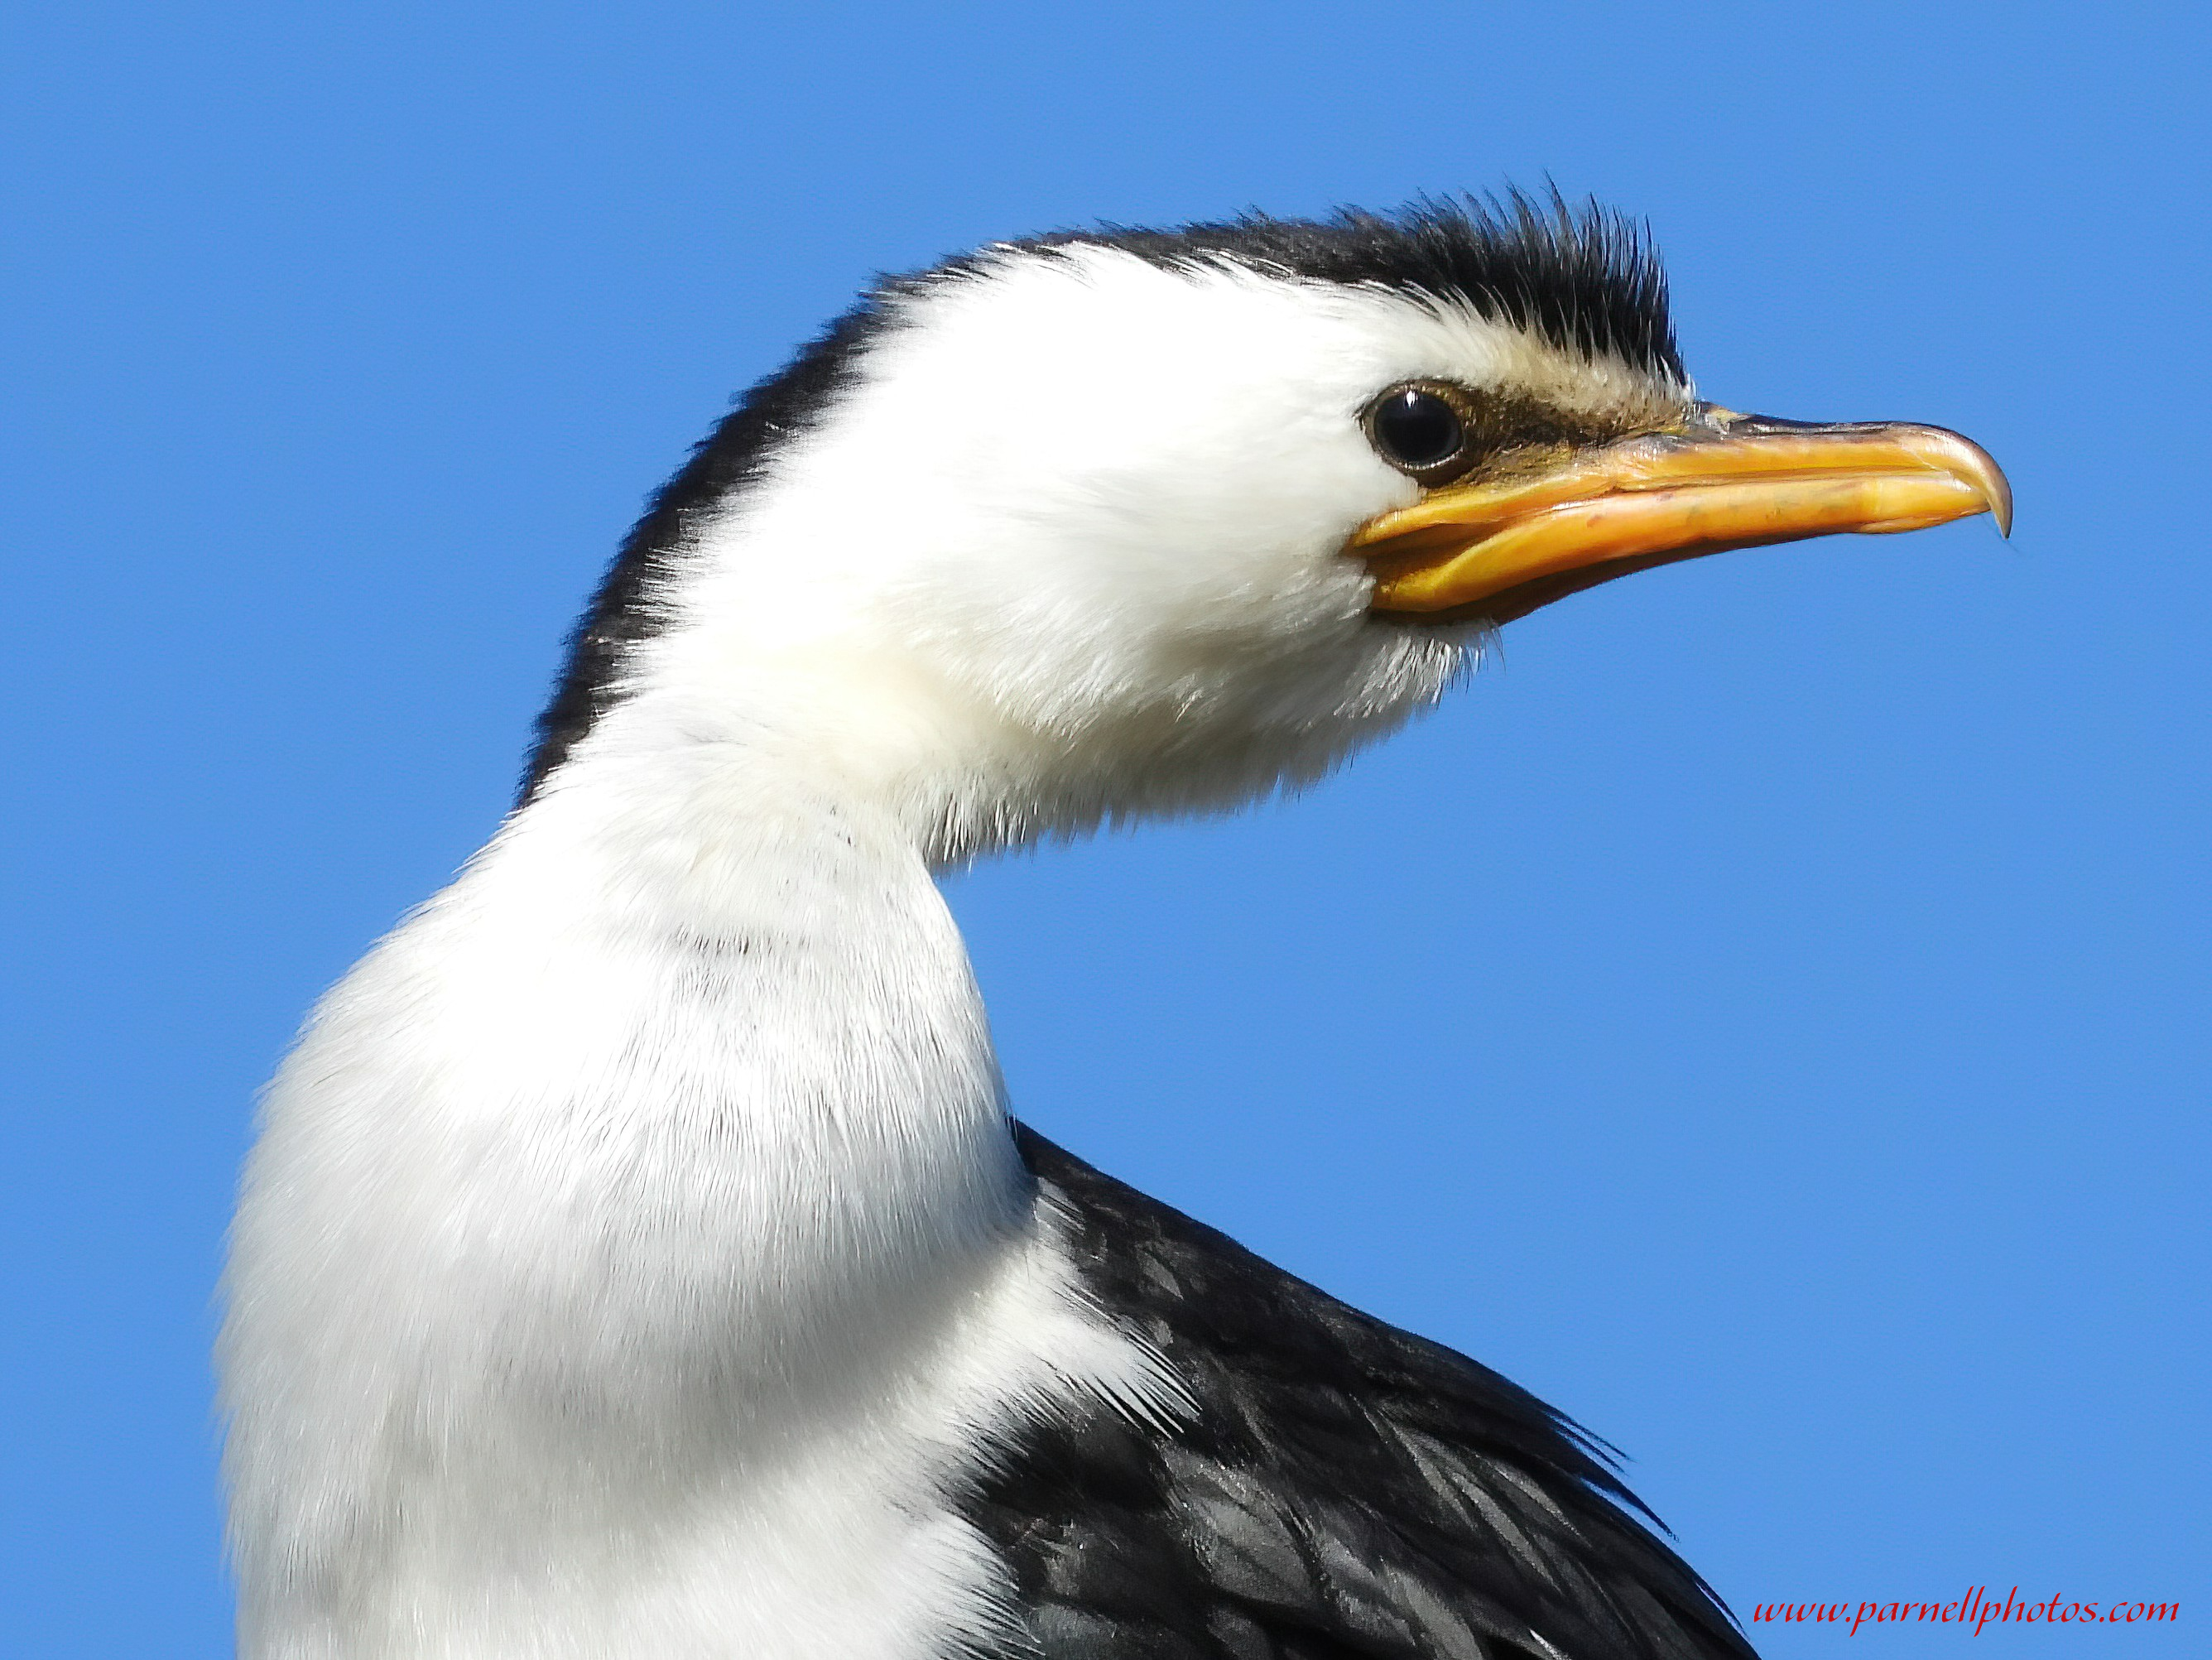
column 1345, row 1489
column 1584, row 280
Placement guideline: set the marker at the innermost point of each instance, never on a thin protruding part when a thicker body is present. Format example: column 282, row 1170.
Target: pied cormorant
column 638, row 1257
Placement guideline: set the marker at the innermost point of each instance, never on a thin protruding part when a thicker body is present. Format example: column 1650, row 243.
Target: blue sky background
column 1767, row 1014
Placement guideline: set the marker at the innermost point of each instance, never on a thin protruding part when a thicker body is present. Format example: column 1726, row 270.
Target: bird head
column 1121, row 523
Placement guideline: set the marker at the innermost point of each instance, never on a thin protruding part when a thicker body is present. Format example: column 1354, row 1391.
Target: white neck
column 662, row 1152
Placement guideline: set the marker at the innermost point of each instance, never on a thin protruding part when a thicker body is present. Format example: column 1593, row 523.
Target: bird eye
column 1417, row 429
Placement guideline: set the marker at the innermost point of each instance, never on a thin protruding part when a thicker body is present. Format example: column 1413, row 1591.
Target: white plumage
column 635, row 1260
column 634, row 1235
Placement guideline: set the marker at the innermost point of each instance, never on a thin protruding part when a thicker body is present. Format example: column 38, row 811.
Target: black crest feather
column 1583, row 279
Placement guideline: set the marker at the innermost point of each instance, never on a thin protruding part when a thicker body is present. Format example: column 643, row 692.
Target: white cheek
column 1083, row 485
column 1186, row 484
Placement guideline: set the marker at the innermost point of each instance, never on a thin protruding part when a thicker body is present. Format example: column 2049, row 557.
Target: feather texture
column 1342, row 1488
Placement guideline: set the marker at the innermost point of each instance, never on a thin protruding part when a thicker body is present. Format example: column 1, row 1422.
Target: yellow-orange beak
column 1502, row 548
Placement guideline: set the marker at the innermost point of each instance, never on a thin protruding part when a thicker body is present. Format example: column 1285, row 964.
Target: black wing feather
column 1345, row 1491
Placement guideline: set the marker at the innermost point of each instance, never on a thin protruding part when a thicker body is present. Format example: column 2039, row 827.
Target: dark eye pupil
column 1417, row 428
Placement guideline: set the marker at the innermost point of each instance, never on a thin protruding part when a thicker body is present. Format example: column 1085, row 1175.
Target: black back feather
column 1345, row 1490
column 1585, row 280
